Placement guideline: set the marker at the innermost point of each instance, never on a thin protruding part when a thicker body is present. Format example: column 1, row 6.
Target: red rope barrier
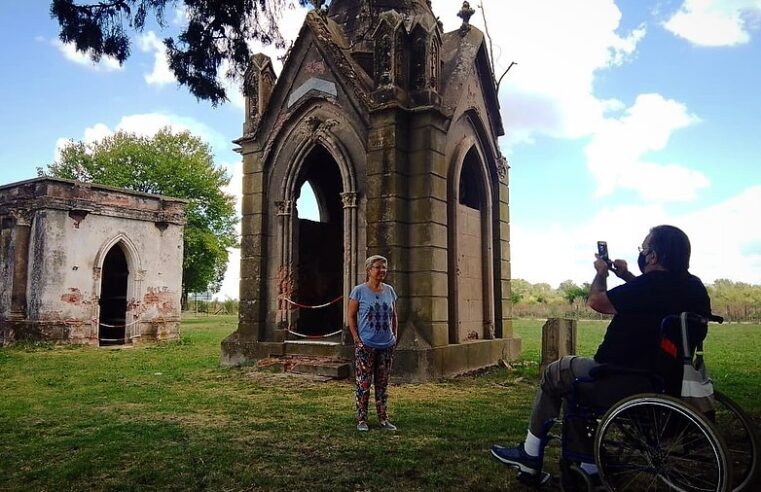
column 303, row 306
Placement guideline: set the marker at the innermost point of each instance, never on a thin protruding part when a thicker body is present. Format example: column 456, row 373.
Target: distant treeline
column 196, row 305
column 736, row 301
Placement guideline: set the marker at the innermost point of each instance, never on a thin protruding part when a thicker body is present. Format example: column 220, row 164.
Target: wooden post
column 558, row 339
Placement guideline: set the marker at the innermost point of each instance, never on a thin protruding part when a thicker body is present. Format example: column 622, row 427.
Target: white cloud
column 149, row 124
column 235, row 188
column 161, row 74
column 180, row 16
column 106, row 63
column 723, row 244
column 92, row 134
column 715, row 22
column 289, row 25
column 231, row 284
column 616, row 153
column 99, row 131
column 558, row 47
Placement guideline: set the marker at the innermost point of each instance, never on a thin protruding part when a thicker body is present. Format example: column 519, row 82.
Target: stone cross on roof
column 465, row 13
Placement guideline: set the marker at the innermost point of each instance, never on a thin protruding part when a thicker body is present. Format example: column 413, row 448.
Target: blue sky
column 620, row 115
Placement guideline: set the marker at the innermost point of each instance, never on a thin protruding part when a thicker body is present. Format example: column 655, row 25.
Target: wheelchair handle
column 688, row 316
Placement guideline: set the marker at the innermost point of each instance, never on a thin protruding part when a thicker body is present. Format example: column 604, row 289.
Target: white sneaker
column 386, row 425
column 362, row 427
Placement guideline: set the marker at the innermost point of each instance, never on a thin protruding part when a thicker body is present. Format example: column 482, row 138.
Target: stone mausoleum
column 85, row 263
column 394, row 125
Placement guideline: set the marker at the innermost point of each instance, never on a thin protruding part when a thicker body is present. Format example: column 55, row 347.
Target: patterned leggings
column 372, row 364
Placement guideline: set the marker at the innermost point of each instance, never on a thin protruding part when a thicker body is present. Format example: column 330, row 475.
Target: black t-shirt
column 633, row 336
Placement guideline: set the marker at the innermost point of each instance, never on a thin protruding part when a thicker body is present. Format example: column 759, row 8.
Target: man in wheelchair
column 632, row 339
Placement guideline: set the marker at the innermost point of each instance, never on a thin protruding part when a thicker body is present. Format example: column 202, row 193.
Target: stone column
column 350, row 208
column 20, row 254
column 428, row 250
column 504, row 326
column 285, row 271
column 253, row 240
column 387, row 209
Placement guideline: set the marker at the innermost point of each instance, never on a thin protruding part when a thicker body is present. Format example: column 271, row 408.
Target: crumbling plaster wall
column 66, row 260
column 55, row 237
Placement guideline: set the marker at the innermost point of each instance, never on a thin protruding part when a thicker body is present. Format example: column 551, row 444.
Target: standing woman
column 373, row 325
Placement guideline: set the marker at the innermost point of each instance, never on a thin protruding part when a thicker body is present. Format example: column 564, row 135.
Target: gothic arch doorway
column 473, row 253
column 319, row 247
column 113, row 298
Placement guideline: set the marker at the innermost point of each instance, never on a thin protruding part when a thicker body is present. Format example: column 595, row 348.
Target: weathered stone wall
column 72, row 228
column 376, row 93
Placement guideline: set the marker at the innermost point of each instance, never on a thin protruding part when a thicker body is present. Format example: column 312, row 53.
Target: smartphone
column 602, row 250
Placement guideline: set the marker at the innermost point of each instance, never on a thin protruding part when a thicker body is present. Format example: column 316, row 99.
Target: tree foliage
column 172, row 164
column 216, row 31
column 736, row 301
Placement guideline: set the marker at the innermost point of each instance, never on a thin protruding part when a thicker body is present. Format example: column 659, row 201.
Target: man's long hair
column 672, row 246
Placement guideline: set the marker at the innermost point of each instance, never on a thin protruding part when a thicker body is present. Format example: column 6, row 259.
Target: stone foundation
column 411, row 365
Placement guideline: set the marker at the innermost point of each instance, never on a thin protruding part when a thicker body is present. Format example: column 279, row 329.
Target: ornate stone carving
column 312, row 123
column 258, row 82
column 433, row 61
column 502, row 167
column 251, row 93
column 349, row 199
column 284, row 207
column 315, row 67
column 465, row 13
column 383, row 54
column 419, row 54
column 284, row 287
column 313, row 126
column 344, row 66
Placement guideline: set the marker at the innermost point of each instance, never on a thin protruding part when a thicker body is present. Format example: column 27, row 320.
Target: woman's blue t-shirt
column 376, row 311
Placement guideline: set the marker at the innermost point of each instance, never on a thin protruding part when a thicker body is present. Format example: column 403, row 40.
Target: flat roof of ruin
column 96, row 186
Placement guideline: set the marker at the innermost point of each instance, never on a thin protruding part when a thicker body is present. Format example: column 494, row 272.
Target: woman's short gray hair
column 371, row 260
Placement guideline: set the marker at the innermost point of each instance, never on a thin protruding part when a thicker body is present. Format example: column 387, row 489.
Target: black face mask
column 642, row 262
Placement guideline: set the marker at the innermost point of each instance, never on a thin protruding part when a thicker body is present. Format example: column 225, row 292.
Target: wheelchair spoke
column 657, row 443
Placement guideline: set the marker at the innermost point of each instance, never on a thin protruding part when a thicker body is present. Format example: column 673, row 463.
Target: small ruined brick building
column 85, row 263
column 394, row 125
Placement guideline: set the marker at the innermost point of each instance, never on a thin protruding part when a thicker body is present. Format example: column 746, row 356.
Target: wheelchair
column 642, row 436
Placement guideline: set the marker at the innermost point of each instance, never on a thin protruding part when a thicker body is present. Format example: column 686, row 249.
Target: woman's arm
column 351, row 315
column 395, row 325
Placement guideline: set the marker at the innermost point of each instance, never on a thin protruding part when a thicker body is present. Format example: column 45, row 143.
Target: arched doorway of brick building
column 113, row 298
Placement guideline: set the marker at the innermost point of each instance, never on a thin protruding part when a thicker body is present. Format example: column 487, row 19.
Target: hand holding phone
column 602, row 252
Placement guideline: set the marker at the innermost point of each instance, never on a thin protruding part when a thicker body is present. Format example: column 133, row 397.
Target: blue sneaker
column 518, row 458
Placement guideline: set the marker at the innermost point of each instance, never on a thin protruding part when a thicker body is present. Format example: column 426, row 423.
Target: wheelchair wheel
column 737, row 431
column 656, row 442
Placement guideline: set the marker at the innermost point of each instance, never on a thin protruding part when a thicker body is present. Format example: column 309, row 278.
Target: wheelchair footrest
column 535, row 480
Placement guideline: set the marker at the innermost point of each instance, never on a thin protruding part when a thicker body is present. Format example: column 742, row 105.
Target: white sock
column 589, row 468
column 532, row 445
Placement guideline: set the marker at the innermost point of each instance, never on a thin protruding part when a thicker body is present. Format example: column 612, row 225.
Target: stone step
column 313, row 348
column 336, row 369
column 325, row 367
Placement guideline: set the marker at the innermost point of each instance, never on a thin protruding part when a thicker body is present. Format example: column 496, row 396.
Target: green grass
column 166, row 417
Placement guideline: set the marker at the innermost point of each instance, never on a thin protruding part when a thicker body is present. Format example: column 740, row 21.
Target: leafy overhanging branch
column 217, row 31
